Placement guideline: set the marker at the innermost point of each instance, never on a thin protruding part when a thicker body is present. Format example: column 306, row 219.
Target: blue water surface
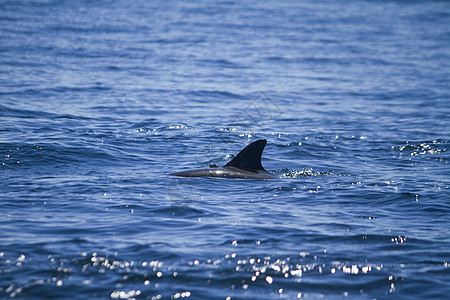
column 101, row 100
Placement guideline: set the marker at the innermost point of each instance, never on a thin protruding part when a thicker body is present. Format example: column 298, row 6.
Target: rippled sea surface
column 101, row 100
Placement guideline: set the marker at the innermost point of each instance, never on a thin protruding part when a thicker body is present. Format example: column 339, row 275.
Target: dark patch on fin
column 249, row 158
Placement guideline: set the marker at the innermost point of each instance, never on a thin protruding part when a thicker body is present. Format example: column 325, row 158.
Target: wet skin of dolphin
column 247, row 165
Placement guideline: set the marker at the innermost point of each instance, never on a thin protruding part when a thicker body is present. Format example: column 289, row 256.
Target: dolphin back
column 246, row 165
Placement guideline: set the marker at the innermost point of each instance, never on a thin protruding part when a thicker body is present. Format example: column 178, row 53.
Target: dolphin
column 247, row 165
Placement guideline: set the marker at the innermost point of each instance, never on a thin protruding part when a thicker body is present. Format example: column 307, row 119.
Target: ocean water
column 101, row 100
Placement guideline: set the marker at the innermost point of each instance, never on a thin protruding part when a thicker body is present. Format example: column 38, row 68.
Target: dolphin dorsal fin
column 250, row 157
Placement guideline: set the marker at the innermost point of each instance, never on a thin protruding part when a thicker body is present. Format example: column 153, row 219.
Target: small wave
column 421, row 148
column 307, row 172
column 6, row 111
column 175, row 127
column 148, row 123
column 216, row 93
column 175, row 210
column 56, row 156
column 220, row 63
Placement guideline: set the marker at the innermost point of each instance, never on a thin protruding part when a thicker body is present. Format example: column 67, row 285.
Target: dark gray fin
column 250, row 157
